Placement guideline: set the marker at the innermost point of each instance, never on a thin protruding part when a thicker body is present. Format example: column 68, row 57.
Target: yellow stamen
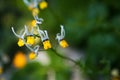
column 32, row 55
column 33, row 23
column 20, row 43
column 47, row 44
column 63, row 43
column 35, row 11
column 43, row 5
column 1, row 70
column 30, row 40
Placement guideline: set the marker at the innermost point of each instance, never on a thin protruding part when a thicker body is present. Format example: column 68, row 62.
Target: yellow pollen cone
column 43, row 5
column 33, row 23
column 32, row 55
column 47, row 44
column 20, row 43
column 35, row 11
column 63, row 43
column 30, row 40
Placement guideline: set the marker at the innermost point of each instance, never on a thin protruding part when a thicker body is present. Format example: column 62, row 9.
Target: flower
column 47, row 44
column 30, row 40
column 31, row 3
column 29, row 34
column 36, row 22
column 63, row 43
column 33, row 23
column 34, row 51
column 60, row 37
column 20, row 42
column 21, row 37
column 32, row 55
column 43, row 5
column 45, row 39
column 19, row 60
column 35, row 11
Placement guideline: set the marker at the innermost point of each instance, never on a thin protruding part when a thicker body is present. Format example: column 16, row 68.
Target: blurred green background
column 92, row 26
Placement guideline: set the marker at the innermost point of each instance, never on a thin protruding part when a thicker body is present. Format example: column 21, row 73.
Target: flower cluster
column 34, row 5
column 29, row 34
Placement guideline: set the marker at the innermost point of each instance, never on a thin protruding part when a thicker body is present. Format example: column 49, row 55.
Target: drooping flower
column 32, row 55
column 33, row 6
column 31, row 3
column 43, row 5
column 60, row 37
column 63, row 43
column 29, row 34
column 30, row 37
column 45, row 39
column 20, row 42
column 36, row 22
column 34, row 52
column 47, row 44
column 35, row 11
column 33, row 23
column 30, row 40
column 20, row 36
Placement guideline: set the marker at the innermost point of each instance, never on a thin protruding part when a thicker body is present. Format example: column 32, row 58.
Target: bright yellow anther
column 43, row 5
column 20, row 43
column 47, row 44
column 63, row 43
column 1, row 70
column 33, row 23
column 35, row 11
column 30, row 40
column 32, row 55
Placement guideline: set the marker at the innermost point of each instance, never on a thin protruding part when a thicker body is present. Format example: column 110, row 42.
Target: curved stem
column 64, row 57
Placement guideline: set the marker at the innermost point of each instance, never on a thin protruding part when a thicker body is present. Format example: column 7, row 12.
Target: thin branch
column 64, row 57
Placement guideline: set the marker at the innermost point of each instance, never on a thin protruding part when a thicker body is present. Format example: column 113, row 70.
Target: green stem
column 64, row 57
